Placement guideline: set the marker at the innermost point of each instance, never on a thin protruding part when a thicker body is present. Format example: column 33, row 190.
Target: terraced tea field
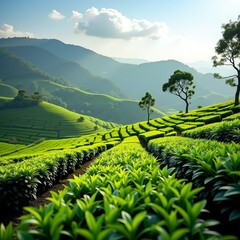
column 46, row 121
column 190, row 191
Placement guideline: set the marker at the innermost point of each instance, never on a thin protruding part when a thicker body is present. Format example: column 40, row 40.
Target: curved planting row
column 211, row 164
column 27, row 131
column 223, row 131
column 203, row 116
column 165, row 126
column 123, row 195
column 22, row 181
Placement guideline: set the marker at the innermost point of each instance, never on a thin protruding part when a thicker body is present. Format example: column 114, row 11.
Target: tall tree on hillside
column 181, row 85
column 146, row 103
column 228, row 53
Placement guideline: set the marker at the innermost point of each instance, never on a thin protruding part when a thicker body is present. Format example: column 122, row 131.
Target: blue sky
column 185, row 30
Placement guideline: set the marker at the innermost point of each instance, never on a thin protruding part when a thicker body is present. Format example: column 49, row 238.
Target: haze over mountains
column 80, row 69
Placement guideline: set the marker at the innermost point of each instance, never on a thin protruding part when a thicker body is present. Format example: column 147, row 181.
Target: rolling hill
column 15, row 68
column 7, row 90
column 31, row 79
column 72, row 72
column 199, row 154
column 102, row 106
column 46, row 121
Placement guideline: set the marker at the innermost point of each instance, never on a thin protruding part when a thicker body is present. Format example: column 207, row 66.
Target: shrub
column 209, row 119
column 151, row 135
column 226, row 113
column 232, row 117
column 206, row 163
column 224, row 131
column 22, row 181
column 123, row 195
column 81, row 119
column 183, row 127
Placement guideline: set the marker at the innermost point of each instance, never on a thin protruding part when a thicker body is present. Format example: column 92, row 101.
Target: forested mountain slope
column 134, row 80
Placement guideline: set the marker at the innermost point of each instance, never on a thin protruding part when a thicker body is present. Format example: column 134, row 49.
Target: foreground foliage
column 23, row 181
column 123, row 195
column 223, row 132
column 211, row 164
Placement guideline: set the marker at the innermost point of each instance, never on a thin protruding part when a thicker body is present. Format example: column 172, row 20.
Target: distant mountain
column 70, row 71
column 20, row 74
column 134, row 80
column 94, row 62
column 207, row 67
column 136, row 61
column 13, row 67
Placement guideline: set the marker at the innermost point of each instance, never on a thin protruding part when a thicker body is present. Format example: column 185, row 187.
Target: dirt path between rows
column 41, row 200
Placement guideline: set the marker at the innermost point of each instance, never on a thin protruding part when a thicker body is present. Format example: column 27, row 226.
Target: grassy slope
column 188, row 119
column 26, row 125
column 7, row 90
column 3, row 100
column 167, row 126
column 102, row 106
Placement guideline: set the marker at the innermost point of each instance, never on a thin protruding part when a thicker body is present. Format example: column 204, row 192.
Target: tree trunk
column 187, row 105
column 236, row 102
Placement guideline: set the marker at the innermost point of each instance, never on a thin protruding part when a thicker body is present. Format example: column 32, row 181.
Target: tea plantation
column 177, row 177
column 46, row 121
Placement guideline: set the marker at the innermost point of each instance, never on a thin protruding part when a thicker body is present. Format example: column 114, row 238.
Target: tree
column 228, row 53
column 146, row 103
column 22, row 94
column 37, row 97
column 181, row 85
column 24, row 100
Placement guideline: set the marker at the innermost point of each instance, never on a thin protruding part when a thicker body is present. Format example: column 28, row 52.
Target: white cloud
column 109, row 23
column 76, row 16
column 7, row 30
column 55, row 15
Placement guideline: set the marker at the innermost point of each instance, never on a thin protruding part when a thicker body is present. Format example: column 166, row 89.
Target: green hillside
column 45, row 121
column 189, row 166
column 7, row 90
column 72, row 72
column 13, row 67
column 172, row 125
column 105, row 107
column 3, row 100
column 22, row 75
column 147, row 76
column 68, row 62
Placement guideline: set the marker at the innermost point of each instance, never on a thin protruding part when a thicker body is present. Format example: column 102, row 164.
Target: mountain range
column 81, row 69
column 17, row 73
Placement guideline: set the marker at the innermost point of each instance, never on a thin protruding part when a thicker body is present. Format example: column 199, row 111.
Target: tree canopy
column 24, row 100
column 228, row 53
column 181, row 85
column 146, row 103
